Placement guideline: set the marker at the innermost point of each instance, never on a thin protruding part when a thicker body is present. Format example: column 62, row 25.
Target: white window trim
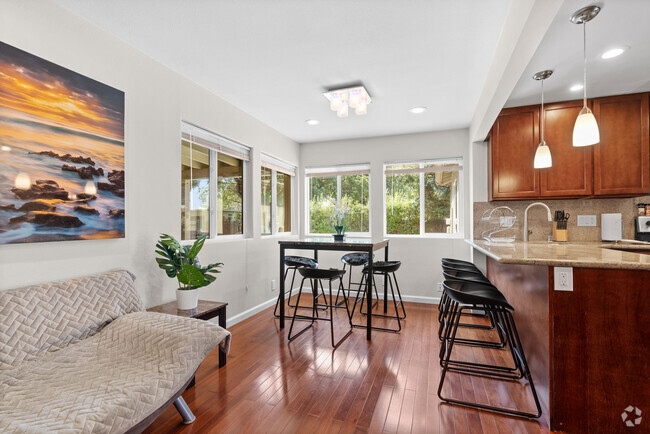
column 340, row 171
column 461, row 205
column 274, row 199
column 221, row 145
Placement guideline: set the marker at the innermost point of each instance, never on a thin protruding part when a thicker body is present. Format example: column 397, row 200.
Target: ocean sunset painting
column 61, row 153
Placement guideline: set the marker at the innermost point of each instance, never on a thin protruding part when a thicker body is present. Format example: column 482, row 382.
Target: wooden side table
column 205, row 310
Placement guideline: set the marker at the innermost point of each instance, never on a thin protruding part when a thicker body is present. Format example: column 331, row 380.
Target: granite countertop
column 571, row 254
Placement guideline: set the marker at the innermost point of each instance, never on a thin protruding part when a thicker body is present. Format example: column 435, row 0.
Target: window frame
column 461, row 200
column 330, row 173
column 274, row 194
column 215, row 149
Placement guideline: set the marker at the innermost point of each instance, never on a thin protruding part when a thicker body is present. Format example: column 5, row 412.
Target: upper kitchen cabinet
column 622, row 158
column 571, row 174
column 617, row 166
column 513, row 141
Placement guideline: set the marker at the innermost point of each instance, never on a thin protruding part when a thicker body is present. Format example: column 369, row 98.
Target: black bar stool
column 386, row 269
column 464, row 267
column 294, row 263
column 452, row 261
column 354, row 260
column 317, row 276
column 470, row 295
column 446, row 303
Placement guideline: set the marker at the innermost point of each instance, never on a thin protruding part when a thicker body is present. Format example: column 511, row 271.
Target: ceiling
column 619, row 23
column 273, row 59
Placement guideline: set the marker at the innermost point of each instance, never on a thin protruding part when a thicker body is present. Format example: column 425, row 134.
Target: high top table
column 349, row 245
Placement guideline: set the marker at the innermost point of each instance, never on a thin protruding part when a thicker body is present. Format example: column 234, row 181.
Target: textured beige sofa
column 83, row 356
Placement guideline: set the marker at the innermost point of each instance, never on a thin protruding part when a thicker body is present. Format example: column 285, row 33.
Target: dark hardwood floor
column 387, row 385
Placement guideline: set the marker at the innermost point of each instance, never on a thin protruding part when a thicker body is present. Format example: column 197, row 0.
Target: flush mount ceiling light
column 543, row 154
column 418, row 110
column 585, row 130
column 312, row 122
column 576, row 87
column 614, row 52
column 343, row 99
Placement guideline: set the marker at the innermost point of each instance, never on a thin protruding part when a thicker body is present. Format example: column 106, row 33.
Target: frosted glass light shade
column 543, row 156
column 342, row 112
column 585, row 131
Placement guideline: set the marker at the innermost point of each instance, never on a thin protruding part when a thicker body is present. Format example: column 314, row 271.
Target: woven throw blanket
column 48, row 317
column 110, row 381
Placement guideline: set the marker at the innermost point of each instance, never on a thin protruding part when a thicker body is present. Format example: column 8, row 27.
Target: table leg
column 281, row 295
column 369, row 282
column 315, row 255
column 386, row 282
column 222, row 324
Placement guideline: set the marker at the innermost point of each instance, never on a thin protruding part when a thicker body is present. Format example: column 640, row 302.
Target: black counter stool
column 444, row 316
column 471, row 295
column 316, row 276
column 386, row 269
column 294, row 263
column 354, row 260
column 452, row 261
column 460, row 266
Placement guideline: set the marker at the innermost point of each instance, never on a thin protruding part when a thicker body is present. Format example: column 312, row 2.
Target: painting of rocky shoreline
column 61, row 153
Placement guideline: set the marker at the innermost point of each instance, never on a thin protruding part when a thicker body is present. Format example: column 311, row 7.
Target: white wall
column 157, row 99
column 420, row 256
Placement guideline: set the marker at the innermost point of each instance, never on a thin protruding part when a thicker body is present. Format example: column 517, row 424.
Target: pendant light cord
column 542, row 113
column 584, row 51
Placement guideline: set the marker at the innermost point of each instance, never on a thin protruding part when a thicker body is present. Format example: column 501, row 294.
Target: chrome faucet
column 550, row 218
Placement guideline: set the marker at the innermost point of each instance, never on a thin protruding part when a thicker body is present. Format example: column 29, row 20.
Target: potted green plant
column 339, row 214
column 182, row 262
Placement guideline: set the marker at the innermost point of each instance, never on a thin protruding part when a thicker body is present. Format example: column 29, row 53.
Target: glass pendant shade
column 585, row 131
column 543, row 156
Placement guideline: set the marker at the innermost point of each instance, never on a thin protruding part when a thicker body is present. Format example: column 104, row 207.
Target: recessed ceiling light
column 614, row 52
column 418, row 110
column 576, row 87
column 312, row 122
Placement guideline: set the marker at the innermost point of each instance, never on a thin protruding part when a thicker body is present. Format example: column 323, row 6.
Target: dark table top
column 328, row 241
column 203, row 308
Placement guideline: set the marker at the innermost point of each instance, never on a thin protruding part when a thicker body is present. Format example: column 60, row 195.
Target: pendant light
column 543, row 154
column 585, row 131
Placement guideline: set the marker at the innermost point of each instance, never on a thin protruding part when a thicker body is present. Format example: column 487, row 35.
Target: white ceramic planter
column 187, row 299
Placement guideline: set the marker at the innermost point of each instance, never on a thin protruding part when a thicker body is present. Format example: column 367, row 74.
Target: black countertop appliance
column 642, row 228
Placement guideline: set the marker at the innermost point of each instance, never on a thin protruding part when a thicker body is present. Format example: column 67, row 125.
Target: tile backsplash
column 542, row 228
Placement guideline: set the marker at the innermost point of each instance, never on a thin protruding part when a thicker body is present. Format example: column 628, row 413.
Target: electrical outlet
column 439, row 287
column 586, row 220
column 563, row 278
column 273, row 285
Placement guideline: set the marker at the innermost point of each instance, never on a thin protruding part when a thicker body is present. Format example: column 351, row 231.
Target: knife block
column 560, row 234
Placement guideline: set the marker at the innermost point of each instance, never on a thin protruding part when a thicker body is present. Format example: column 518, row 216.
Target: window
column 276, row 195
column 423, row 197
column 212, row 184
column 345, row 186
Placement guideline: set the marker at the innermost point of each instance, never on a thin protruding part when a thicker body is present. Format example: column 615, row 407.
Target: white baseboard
column 409, row 298
column 250, row 312
column 265, row 305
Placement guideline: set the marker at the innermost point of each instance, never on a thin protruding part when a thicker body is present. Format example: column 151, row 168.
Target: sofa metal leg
column 184, row 411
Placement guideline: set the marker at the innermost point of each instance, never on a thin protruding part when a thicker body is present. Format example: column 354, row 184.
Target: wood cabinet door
column 572, row 172
column 622, row 158
column 514, row 139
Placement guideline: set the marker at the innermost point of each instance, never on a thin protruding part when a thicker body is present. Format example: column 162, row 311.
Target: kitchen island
column 588, row 348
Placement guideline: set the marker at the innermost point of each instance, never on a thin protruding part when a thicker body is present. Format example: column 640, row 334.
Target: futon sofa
column 83, row 356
